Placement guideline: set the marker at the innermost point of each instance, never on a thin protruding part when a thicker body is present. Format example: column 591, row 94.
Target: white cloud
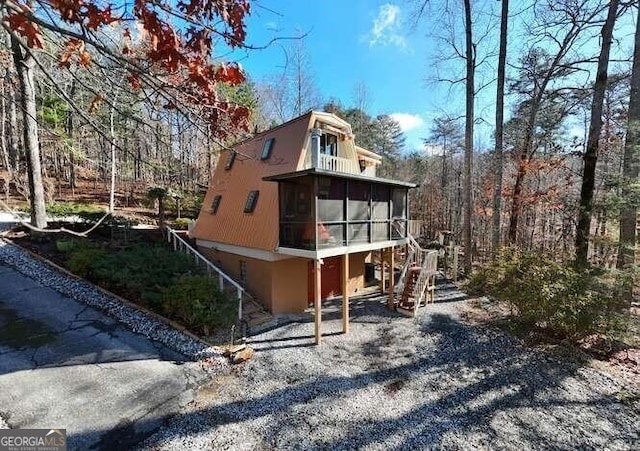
column 386, row 27
column 407, row 121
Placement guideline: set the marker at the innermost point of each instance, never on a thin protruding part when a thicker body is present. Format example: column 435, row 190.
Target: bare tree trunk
column 112, row 145
column 69, row 126
column 497, row 191
column 14, row 135
column 25, row 63
column 468, row 137
column 591, row 153
column 3, row 130
column 631, row 164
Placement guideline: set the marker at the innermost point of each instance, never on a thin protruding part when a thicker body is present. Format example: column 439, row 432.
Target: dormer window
column 252, row 200
column 266, row 149
column 230, row 159
column 215, row 204
column 329, row 144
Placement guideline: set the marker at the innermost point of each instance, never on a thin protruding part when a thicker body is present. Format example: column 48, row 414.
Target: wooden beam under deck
column 345, row 293
column 317, row 301
column 390, row 301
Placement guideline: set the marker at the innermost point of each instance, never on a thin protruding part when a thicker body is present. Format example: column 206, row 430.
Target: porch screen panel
column 359, row 197
column 358, row 232
column 297, row 222
column 399, row 213
column 399, row 204
column 331, row 194
column 380, row 195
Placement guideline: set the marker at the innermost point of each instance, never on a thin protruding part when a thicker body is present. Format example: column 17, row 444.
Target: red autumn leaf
column 71, row 47
column 85, row 58
column 97, row 17
column 24, row 27
column 230, row 73
column 95, row 103
column 134, row 81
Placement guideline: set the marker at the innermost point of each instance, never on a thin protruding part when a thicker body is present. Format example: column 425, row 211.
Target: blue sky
column 372, row 42
column 350, row 42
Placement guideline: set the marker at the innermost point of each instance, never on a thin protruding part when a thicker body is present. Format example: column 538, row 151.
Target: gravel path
column 405, row 383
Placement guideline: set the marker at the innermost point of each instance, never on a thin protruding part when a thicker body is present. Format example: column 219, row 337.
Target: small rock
column 242, row 356
column 228, row 352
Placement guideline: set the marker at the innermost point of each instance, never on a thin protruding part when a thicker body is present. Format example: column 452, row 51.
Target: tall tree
column 448, row 136
column 631, row 165
column 470, row 57
column 25, row 63
column 591, row 154
column 560, row 26
column 389, row 142
column 499, row 148
column 292, row 91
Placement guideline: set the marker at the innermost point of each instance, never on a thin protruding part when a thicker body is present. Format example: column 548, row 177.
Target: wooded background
column 126, row 98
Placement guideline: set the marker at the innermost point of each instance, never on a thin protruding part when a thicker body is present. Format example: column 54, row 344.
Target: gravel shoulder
column 396, row 382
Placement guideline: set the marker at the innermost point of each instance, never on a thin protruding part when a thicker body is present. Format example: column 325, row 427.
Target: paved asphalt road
column 65, row 365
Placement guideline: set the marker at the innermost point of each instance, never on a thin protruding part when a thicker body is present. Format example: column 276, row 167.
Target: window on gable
column 215, row 204
column 266, row 150
column 252, row 200
column 230, row 159
column 329, row 144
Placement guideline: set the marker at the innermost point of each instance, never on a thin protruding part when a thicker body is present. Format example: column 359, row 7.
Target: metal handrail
column 179, row 242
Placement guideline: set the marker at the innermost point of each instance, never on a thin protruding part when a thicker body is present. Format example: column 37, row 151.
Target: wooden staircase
column 417, row 279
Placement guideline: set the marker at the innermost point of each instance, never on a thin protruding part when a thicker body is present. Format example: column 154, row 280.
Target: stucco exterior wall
column 282, row 286
column 356, row 272
column 258, row 273
column 289, row 285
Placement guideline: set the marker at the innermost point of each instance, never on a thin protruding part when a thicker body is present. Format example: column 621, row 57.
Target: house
column 294, row 213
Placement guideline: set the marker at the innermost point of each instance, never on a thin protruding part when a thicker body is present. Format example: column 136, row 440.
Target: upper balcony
column 337, row 164
column 332, row 149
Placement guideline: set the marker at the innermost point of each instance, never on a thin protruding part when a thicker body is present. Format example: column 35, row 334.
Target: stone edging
column 146, row 323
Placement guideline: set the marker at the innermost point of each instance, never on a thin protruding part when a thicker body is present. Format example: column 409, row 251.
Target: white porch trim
column 333, row 251
column 258, row 254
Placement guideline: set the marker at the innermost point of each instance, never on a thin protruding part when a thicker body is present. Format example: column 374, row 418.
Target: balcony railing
column 338, row 164
column 302, row 235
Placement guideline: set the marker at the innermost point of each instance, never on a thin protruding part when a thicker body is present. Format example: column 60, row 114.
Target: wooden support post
column 390, row 303
column 317, row 274
column 456, row 250
column 345, row 293
column 383, row 279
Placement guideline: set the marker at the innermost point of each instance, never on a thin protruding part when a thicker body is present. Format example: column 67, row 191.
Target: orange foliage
column 21, row 25
column 183, row 57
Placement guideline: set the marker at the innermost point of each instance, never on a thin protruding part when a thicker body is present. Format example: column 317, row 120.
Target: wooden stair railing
column 417, row 278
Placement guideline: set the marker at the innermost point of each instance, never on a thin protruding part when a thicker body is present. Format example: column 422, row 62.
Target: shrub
column 166, row 281
column 57, row 209
column 82, row 259
column 190, row 203
column 544, row 293
column 197, row 302
column 143, row 271
column 182, row 223
column 66, row 245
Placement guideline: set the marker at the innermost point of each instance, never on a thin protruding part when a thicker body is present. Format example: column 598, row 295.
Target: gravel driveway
column 405, row 383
